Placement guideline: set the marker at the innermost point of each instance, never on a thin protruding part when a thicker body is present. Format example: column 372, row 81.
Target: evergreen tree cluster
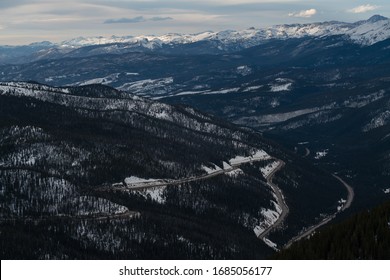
column 365, row 236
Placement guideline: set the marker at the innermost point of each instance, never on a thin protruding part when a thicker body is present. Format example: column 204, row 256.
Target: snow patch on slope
column 270, row 244
column 270, row 217
column 257, row 155
column 155, row 194
column 321, row 154
column 149, row 86
column 244, row 70
column 211, row 170
column 104, row 81
column 380, row 120
column 271, row 167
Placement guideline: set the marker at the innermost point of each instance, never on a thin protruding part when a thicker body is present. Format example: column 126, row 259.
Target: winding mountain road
column 280, row 201
column 93, row 217
column 233, row 166
column 312, row 229
column 170, row 182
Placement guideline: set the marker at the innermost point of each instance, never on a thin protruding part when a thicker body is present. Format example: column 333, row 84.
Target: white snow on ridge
column 236, row 172
column 149, row 86
column 104, row 81
column 226, row 166
column 222, row 91
column 252, row 88
column 191, row 92
column 270, row 217
column 258, row 230
column 270, row 244
column 136, row 180
column 155, row 194
column 370, row 33
column 281, row 84
column 211, row 170
column 260, row 155
column 380, row 120
column 257, row 155
column 367, row 32
column 279, row 88
column 277, row 207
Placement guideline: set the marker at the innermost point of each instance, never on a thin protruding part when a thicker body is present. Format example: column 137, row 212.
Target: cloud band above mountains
column 135, row 20
column 363, row 9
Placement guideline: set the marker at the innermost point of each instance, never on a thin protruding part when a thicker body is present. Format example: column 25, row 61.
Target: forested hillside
column 92, row 172
column 363, row 236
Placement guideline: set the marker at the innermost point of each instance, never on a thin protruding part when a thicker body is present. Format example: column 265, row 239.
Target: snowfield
column 271, row 167
column 211, row 170
column 270, row 244
column 135, row 180
column 365, row 32
column 321, row 154
column 155, row 194
column 270, row 217
column 257, row 155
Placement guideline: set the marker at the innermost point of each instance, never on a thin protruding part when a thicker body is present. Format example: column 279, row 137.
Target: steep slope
column 91, row 172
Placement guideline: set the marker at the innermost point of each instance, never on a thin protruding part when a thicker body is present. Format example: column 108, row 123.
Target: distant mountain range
column 365, row 33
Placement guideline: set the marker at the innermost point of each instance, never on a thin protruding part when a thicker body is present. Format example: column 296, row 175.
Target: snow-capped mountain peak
column 365, row 32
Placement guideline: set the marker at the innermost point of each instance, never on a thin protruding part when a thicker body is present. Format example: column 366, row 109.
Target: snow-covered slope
column 366, row 32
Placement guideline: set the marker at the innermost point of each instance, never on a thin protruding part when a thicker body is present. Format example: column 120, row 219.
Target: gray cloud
column 135, row 20
column 160, row 18
column 125, row 20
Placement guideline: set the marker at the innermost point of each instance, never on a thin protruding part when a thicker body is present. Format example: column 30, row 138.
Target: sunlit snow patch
column 155, row 194
column 281, row 85
column 341, row 203
column 235, row 173
column 257, row 155
column 211, row 170
column 135, row 180
column 270, row 244
column 267, row 170
column 270, row 218
column 244, row 70
column 321, row 154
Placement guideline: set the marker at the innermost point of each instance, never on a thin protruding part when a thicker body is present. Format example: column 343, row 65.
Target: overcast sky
column 26, row 21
